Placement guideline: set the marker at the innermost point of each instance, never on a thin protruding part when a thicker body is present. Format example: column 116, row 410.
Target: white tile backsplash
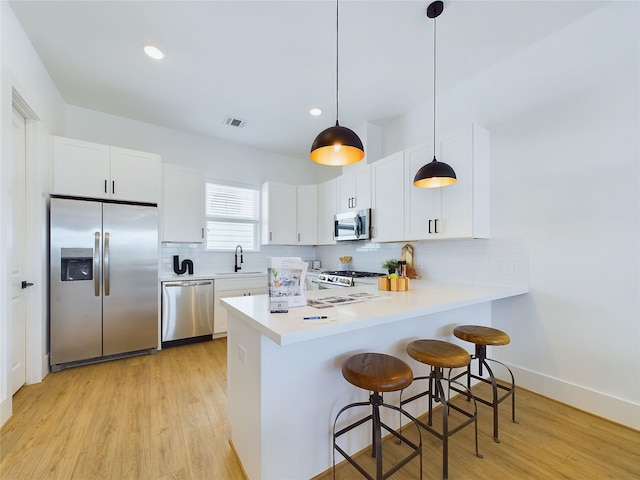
column 496, row 261
column 207, row 262
column 501, row 261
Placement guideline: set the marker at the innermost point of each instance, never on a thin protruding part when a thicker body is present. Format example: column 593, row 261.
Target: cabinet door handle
column 270, row 236
column 298, row 237
column 113, row 186
column 353, row 202
column 105, row 186
column 430, row 226
column 202, row 234
column 435, row 225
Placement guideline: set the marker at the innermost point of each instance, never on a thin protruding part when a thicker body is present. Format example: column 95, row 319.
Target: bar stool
column 377, row 373
column 481, row 337
column 440, row 355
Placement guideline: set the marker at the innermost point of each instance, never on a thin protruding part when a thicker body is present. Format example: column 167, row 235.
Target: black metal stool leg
column 440, row 397
column 375, row 402
column 496, row 399
column 376, row 443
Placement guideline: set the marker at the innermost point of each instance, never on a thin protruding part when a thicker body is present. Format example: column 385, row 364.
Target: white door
column 18, row 258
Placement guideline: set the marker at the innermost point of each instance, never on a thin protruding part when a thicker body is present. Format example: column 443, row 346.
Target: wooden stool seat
column 438, row 353
column 377, row 372
column 481, row 335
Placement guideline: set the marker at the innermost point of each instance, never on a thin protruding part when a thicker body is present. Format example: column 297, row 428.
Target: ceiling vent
column 234, row 122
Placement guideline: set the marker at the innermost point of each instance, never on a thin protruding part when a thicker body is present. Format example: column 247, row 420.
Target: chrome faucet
column 236, row 266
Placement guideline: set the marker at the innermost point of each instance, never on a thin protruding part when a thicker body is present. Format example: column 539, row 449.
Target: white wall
column 564, row 118
column 23, row 72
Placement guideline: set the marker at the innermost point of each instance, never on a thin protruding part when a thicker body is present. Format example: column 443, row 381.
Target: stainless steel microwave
column 352, row 225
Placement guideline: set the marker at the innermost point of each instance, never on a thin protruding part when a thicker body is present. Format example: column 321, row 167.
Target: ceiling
column 269, row 62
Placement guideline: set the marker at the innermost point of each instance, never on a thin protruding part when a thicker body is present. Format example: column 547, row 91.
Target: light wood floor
column 163, row 417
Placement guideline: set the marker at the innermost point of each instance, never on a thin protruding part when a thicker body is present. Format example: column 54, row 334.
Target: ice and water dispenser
column 76, row 264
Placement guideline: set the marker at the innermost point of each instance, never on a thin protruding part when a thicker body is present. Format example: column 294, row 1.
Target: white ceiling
column 269, row 62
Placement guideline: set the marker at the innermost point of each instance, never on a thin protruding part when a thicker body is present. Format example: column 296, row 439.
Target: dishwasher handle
column 189, row 283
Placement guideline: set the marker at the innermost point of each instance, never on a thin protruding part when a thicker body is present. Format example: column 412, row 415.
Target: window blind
column 232, row 215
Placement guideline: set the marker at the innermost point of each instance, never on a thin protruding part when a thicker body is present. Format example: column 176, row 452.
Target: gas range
column 343, row 278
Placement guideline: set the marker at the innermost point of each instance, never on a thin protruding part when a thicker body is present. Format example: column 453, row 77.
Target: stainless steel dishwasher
column 187, row 311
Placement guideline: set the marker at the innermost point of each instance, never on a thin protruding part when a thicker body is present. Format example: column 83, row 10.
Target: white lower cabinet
column 233, row 287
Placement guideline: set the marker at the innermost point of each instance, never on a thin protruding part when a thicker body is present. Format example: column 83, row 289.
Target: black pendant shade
column 337, row 146
column 434, row 174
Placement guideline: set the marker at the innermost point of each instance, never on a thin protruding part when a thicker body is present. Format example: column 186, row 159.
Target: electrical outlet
column 242, row 355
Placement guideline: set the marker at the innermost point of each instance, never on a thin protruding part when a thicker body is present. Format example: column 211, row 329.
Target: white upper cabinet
column 279, row 214
column 388, row 186
column 80, row 168
column 354, row 190
column 135, row 175
column 182, row 205
column 423, row 212
column 326, row 211
column 289, row 214
column 85, row 169
column 460, row 210
column 307, row 214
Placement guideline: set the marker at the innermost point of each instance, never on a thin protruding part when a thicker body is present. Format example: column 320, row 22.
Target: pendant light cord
column 434, row 88
column 337, row 36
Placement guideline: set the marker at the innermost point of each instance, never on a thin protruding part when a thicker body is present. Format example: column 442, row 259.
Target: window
column 232, row 215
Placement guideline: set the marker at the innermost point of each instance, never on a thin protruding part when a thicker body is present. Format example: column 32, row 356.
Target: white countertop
column 423, row 298
column 172, row 277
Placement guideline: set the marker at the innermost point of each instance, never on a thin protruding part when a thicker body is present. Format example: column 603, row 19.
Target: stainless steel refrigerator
column 103, row 280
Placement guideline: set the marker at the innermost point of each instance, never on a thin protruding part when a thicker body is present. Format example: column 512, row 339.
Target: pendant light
column 434, row 174
column 337, row 145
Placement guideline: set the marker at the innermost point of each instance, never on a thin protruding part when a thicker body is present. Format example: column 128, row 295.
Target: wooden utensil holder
column 393, row 284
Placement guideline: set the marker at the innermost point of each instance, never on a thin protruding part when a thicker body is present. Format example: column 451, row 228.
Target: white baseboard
column 5, row 410
column 614, row 409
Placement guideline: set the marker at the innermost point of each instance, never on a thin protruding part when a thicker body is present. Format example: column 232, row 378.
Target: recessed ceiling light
column 315, row 111
column 153, row 52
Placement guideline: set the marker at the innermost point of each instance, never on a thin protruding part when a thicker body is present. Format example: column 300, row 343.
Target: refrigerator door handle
column 107, row 289
column 96, row 265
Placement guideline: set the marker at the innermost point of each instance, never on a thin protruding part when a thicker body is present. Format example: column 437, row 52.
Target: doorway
column 19, row 290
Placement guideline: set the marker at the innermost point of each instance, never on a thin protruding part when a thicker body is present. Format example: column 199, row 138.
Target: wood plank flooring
column 151, row 417
column 163, row 416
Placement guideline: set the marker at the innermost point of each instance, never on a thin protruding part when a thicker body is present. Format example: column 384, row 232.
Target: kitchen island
column 284, row 377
